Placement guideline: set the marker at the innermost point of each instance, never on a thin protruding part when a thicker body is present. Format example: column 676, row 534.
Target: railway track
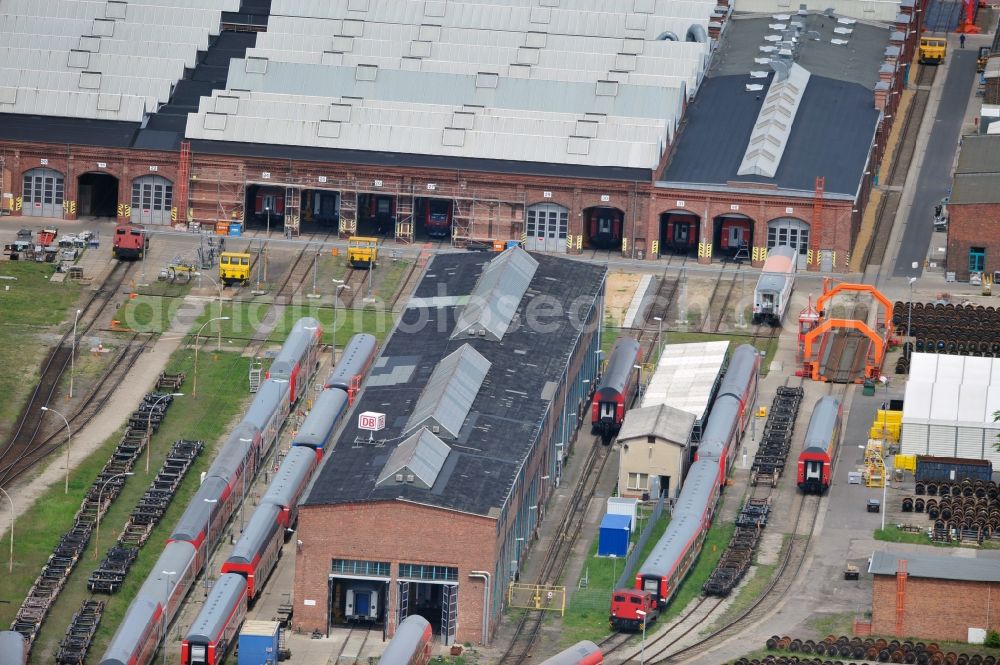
column 529, row 625
column 658, row 650
column 719, row 305
column 30, row 424
column 118, row 369
column 874, row 253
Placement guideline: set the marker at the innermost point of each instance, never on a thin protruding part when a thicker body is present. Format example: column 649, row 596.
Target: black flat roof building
column 487, row 403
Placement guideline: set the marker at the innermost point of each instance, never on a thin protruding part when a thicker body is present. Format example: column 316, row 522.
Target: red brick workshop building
column 566, row 141
column 974, row 209
column 483, row 383
column 934, row 597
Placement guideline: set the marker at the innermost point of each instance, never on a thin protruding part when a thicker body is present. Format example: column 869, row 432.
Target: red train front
column 604, row 228
column 615, row 390
column 626, row 605
column 820, row 446
column 131, row 242
column 437, row 218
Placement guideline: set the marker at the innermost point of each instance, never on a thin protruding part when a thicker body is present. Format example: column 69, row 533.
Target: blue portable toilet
column 235, row 229
column 613, row 536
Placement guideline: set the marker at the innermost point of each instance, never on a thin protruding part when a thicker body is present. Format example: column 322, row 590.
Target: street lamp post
column 909, row 307
column 194, row 387
column 10, row 568
column 642, row 652
column 340, row 286
column 163, row 645
column 149, row 426
column 69, row 440
column 220, row 288
column 756, row 386
column 100, row 494
column 72, row 356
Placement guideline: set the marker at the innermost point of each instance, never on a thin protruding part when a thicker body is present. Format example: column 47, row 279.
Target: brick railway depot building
column 66, row 168
column 974, row 209
column 936, row 598
column 437, row 513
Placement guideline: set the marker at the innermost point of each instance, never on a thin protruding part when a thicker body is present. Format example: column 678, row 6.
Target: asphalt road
column 934, row 181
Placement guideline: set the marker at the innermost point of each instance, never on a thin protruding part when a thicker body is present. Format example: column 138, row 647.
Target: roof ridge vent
column 775, row 120
column 497, row 294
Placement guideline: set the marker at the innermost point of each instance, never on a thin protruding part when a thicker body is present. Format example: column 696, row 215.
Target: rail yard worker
column 961, row 41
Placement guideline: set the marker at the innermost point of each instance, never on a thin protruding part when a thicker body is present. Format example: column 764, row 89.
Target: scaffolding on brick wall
column 218, row 193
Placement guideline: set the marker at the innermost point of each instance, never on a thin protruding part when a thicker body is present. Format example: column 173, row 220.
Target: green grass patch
column 392, row 273
column 893, row 534
column 29, row 306
column 222, row 392
column 247, row 317
column 832, row 624
column 746, row 596
column 151, row 313
column 587, row 615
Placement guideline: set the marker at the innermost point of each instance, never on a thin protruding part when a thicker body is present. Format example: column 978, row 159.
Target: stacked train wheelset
column 964, row 510
column 858, row 649
column 965, row 330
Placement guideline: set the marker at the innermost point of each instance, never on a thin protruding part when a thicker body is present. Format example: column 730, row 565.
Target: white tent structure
column 949, row 405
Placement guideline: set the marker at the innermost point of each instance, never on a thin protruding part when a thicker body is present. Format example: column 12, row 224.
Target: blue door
column 362, row 603
column 977, row 259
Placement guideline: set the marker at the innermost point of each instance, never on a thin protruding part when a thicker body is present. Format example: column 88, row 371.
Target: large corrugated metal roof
column 496, row 296
column 98, row 60
column 936, row 567
column 450, row 391
column 686, row 376
column 598, row 58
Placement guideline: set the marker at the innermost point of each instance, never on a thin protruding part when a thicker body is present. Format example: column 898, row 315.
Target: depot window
column 419, row 571
column 360, row 567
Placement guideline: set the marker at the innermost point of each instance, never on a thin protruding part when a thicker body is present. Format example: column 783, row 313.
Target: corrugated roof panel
column 496, row 296
column 417, row 460
column 450, row 392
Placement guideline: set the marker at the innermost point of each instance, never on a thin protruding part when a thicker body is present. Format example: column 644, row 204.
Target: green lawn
column 587, row 615
column 222, row 392
column 150, row 313
column 29, row 306
column 894, row 534
column 392, row 274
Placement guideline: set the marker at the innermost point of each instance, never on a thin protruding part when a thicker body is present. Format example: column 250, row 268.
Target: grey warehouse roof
column 936, row 567
column 832, row 120
column 524, row 87
column 663, row 421
column 977, row 177
column 505, row 413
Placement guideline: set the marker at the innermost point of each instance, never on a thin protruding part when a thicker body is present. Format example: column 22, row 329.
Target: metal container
column 952, row 468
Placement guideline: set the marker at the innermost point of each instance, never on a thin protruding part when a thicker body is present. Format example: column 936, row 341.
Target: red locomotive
column 820, row 446
column 734, row 235
column 680, row 234
column 437, row 218
column 614, row 392
column 131, row 242
column 624, row 606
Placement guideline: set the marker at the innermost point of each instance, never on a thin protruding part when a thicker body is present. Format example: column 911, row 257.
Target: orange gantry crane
column 814, row 324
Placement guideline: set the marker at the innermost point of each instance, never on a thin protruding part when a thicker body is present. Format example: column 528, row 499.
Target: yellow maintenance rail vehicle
column 234, row 268
column 933, row 50
column 362, row 251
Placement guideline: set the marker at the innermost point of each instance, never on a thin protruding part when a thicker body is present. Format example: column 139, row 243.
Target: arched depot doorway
column 732, row 236
column 98, row 195
column 265, row 207
column 602, row 227
column 790, row 232
column 152, row 198
column 42, row 193
column 679, row 232
column 546, row 227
